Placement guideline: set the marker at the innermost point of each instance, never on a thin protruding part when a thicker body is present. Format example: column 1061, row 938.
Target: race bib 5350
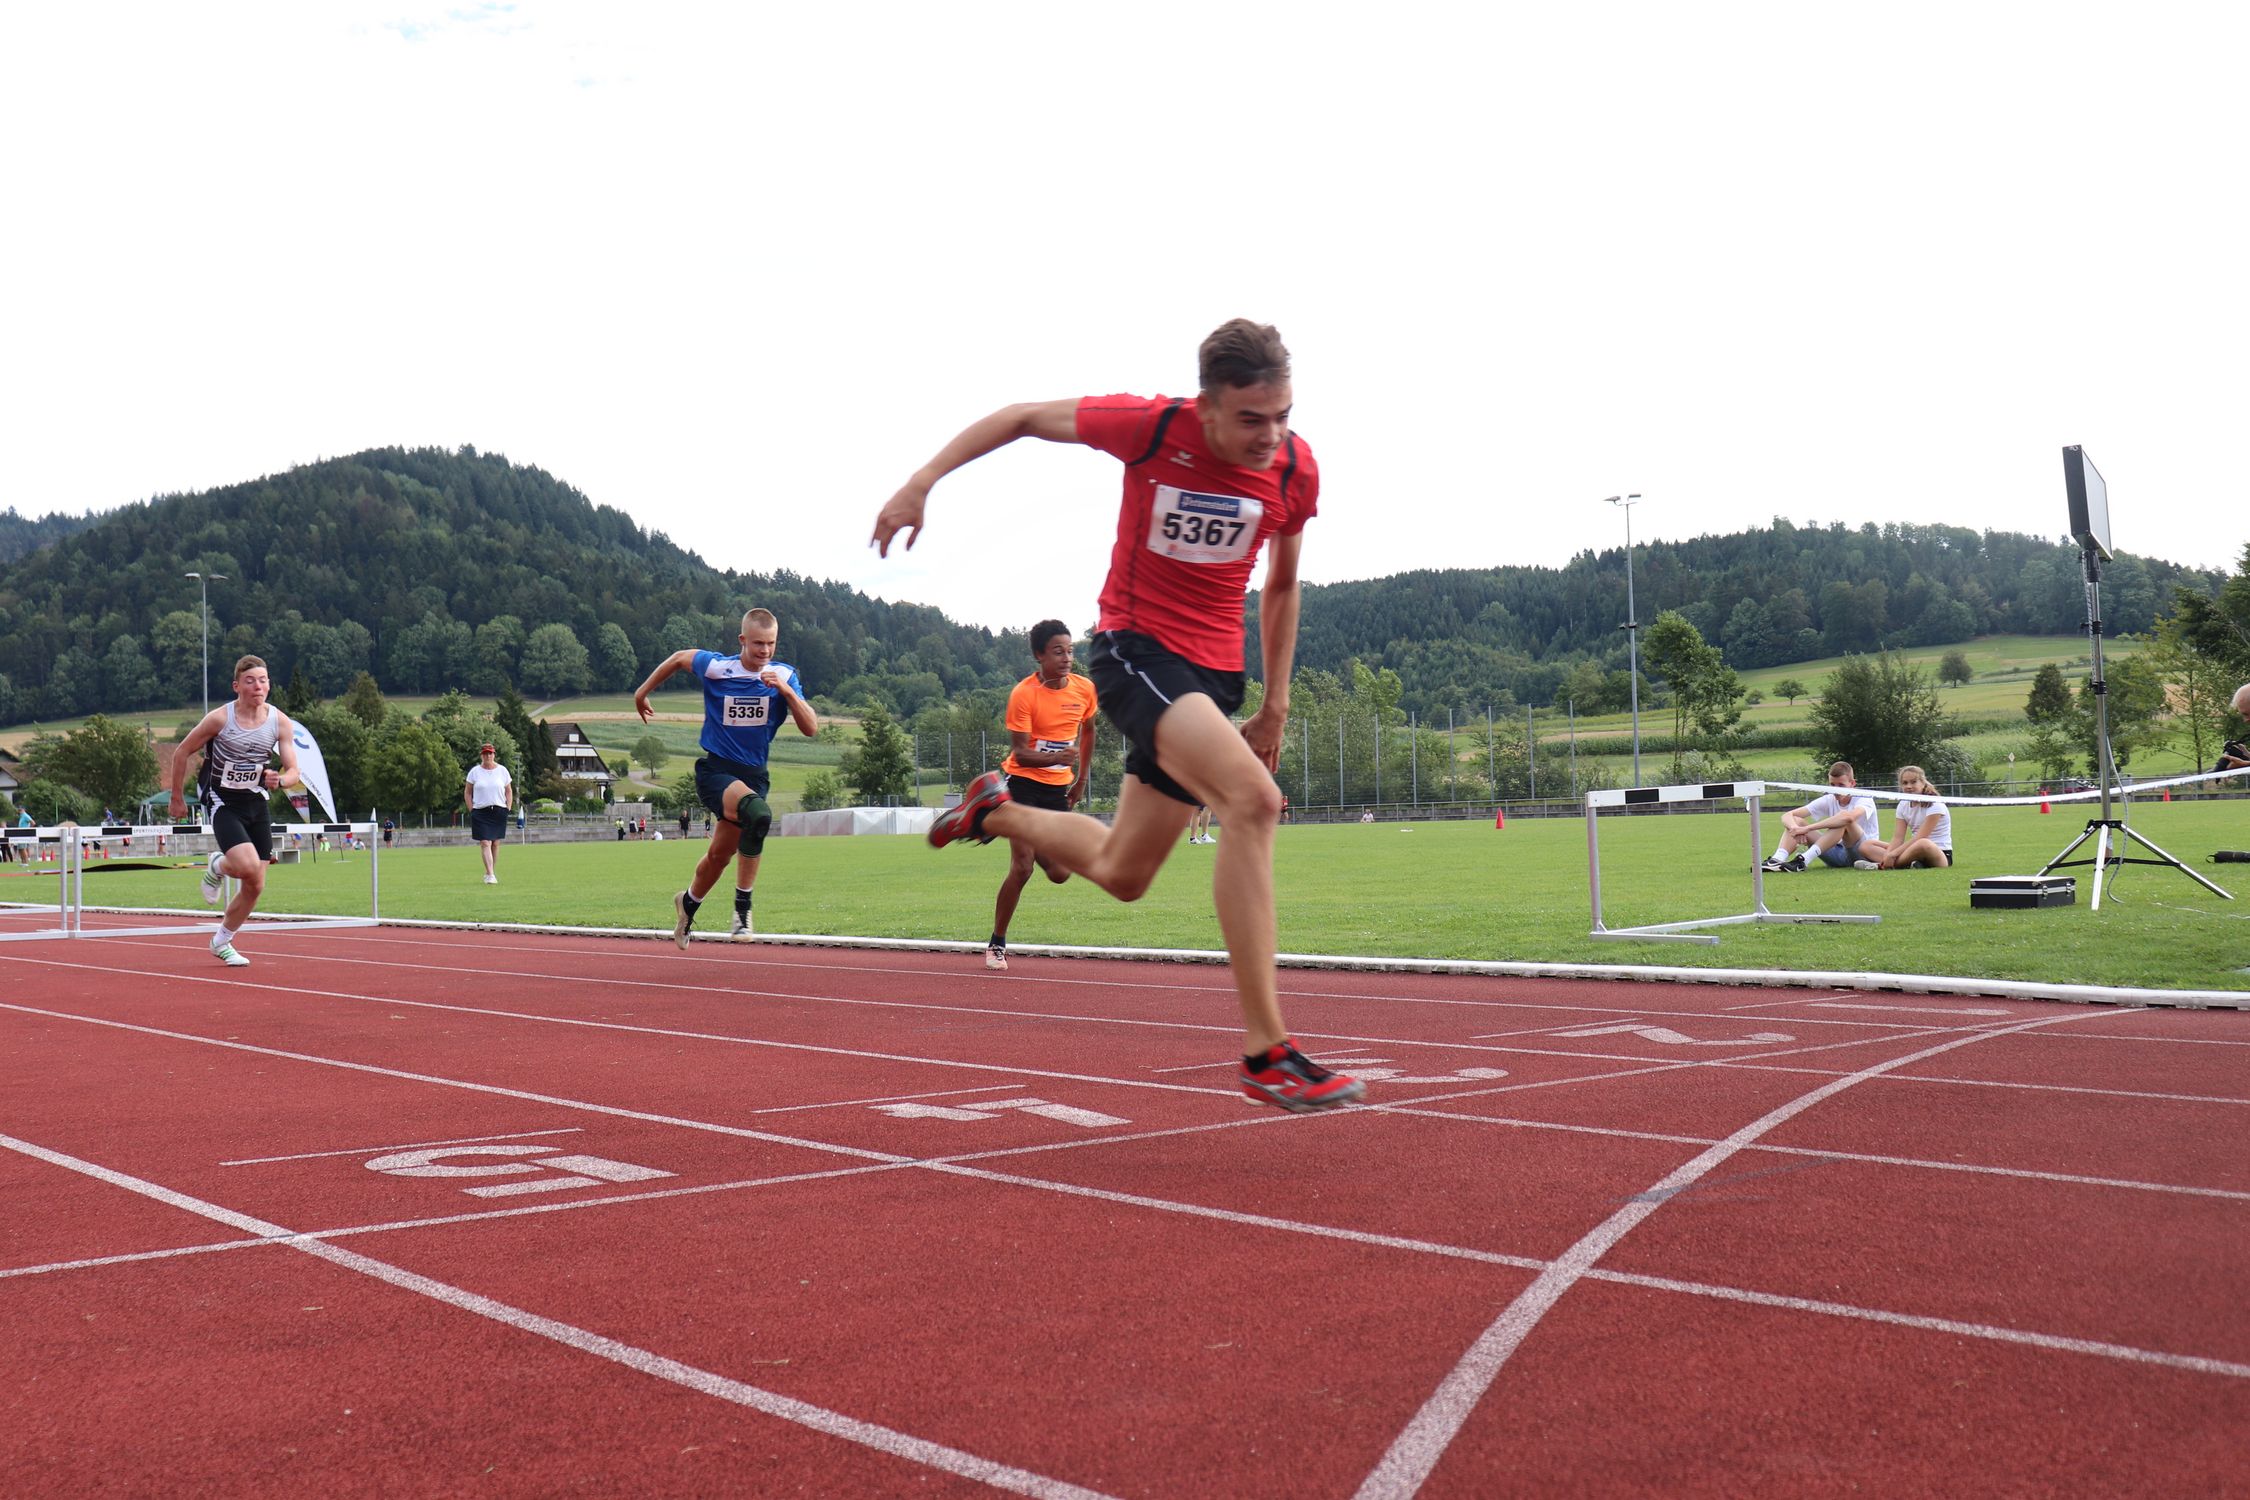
column 1202, row 528
column 242, row 776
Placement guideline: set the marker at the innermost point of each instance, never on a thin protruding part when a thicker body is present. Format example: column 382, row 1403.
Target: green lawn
column 1441, row 890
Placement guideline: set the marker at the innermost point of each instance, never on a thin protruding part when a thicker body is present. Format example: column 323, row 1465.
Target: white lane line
column 259, row 1161
column 882, row 1439
column 1915, row 1010
column 499, row 1090
column 1752, row 1065
column 630, row 1030
column 1324, row 1038
column 1415, row 1452
column 962, row 971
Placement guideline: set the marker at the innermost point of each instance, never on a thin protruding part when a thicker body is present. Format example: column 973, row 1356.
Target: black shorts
column 1033, row 793
column 247, row 821
column 488, row 825
column 1138, row 679
column 715, row 773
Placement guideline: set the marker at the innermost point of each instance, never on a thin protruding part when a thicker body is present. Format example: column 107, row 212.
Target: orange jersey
column 1055, row 718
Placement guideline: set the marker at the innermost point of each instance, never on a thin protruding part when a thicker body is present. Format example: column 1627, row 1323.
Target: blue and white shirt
column 740, row 713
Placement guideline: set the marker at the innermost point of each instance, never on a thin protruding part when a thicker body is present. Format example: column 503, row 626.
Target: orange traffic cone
column 2043, row 805
column 1500, row 818
column 2167, row 794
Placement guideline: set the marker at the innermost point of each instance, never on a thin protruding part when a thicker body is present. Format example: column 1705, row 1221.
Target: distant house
column 577, row 760
column 11, row 772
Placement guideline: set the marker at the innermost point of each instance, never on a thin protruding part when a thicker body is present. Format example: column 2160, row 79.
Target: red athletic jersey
column 1192, row 525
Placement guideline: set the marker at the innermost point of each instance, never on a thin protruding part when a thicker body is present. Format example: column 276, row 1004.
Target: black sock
column 741, row 902
column 687, row 899
column 998, row 941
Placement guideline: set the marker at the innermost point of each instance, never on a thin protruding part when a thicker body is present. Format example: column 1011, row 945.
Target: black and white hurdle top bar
column 1710, row 791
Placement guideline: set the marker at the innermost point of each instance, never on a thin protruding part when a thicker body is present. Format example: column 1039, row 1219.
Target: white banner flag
column 312, row 769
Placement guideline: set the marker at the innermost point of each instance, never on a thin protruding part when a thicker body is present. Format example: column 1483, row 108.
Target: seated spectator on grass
column 1921, row 831
column 2234, row 757
column 1831, row 827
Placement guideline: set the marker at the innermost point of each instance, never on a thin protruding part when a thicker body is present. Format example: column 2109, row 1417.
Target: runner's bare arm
column 197, row 738
column 1052, row 421
column 678, row 661
column 288, row 775
column 1026, row 750
column 1278, row 603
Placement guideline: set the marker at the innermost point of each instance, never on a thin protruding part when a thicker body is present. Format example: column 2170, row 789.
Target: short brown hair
column 1844, row 766
column 760, row 618
column 1242, row 353
column 248, row 662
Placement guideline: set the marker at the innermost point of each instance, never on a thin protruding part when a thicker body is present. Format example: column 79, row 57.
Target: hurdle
column 1751, row 793
column 71, row 905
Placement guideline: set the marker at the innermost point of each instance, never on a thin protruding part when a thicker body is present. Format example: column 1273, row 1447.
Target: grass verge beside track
column 1407, row 890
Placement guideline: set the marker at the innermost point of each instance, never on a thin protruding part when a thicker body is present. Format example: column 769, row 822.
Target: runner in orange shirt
column 1051, row 734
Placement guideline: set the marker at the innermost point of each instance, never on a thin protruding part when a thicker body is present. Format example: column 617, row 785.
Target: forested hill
column 437, row 569
column 431, row 569
column 1465, row 638
column 19, row 535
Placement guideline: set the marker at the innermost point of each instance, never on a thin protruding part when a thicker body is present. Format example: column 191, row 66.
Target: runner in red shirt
column 1209, row 482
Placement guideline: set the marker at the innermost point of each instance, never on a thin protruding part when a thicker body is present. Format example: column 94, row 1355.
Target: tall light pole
column 1632, row 626
column 203, row 588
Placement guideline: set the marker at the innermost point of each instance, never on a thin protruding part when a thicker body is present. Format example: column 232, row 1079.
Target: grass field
column 1443, row 890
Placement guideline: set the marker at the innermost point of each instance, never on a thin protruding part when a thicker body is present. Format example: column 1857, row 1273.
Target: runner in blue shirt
column 744, row 698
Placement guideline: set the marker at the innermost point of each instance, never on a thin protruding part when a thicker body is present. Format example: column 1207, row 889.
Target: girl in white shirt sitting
column 1921, row 830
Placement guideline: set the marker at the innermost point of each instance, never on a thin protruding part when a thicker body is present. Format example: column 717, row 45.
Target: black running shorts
column 1138, row 679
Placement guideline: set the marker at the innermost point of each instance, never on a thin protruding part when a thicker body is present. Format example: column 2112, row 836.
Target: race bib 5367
column 1202, row 528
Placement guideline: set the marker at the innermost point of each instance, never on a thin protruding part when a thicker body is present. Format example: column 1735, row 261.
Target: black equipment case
column 2023, row 890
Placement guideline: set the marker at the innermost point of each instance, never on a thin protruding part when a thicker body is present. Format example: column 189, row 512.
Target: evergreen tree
column 300, row 694
column 364, row 700
column 2050, row 696
column 880, row 768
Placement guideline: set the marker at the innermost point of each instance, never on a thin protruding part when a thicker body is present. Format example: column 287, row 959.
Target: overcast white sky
column 738, row 269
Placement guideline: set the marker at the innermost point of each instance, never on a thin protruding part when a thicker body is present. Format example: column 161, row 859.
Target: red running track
column 397, row 1212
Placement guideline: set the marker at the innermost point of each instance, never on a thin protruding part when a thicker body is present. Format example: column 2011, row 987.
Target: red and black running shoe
column 966, row 821
column 1287, row 1077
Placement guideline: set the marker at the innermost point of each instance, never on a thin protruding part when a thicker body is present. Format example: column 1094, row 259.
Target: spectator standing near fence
column 489, row 793
column 1209, row 482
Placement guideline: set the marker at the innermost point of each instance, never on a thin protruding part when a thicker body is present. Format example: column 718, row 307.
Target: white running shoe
column 1865, row 864
column 682, row 920
column 996, row 958
column 491, row 880
column 224, row 953
column 214, row 883
column 741, row 930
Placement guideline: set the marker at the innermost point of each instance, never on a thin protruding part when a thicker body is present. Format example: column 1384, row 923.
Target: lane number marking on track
column 553, row 1173
column 1087, row 1118
column 1671, row 1038
column 1376, row 1070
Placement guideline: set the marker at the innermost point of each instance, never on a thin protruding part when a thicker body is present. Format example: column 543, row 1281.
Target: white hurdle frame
column 72, row 840
column 1750, row 792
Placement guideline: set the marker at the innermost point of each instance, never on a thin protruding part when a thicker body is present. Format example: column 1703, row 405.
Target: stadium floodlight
column 2089, row 502
column 203, row 587
column 1632, row 626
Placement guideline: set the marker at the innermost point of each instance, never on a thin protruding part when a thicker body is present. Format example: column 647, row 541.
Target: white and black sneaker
column 741, row 931
column 1774, row 865
column 214, row 880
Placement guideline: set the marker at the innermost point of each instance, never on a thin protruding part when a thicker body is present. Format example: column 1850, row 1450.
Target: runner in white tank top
column 243, row 738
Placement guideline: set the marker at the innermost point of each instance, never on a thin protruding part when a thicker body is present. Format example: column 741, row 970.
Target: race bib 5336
column 748, row 713
column 1202, row 528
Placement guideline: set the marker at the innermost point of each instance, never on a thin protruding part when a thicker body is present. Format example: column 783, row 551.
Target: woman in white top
column 1921, row 830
